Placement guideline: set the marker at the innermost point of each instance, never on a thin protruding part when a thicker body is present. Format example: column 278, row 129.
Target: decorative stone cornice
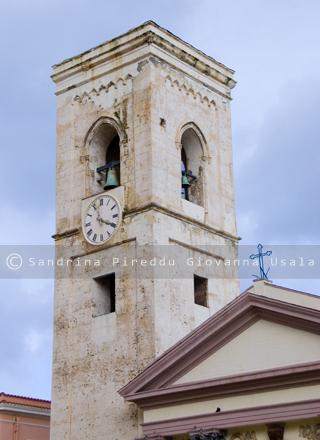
column 182, row 87
column 196, row 249
column 84, row 97
column 149, row 35
column 229, row 386
column 191, row 59
column 235, row 418
column 179, row 216
column 66, row 233
column 103, row 248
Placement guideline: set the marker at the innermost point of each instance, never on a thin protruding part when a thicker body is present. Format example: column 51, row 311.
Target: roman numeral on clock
column 99, row 223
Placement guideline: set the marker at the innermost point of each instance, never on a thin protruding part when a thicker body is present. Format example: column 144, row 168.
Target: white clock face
column 102, row 219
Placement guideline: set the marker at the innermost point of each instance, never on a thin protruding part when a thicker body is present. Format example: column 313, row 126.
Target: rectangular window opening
column 200, row 291
column 104, row 295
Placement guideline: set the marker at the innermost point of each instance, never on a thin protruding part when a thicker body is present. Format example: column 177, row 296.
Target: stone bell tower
column 137, row 117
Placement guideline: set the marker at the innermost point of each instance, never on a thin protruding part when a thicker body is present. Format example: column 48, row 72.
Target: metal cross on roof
column 260, row 255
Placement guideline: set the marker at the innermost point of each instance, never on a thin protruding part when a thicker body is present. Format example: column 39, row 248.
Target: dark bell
column 184, row 181
column 112, row 180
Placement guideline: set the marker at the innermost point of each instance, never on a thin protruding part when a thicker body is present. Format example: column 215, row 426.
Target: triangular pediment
column 254, row 338
column 263, row 346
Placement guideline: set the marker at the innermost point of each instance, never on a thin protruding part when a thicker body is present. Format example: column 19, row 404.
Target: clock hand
column 99, row 217
column 105, row 221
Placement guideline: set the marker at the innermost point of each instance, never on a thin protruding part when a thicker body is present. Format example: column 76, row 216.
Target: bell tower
column 144, row 176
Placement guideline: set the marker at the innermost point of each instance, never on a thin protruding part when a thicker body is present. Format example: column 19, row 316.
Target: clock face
column 102, row 219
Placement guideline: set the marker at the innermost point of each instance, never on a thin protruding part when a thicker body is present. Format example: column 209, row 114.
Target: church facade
column 249, row 372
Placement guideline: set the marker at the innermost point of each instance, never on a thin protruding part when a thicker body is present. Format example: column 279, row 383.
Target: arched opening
column 104, row 148
column 113, row 154
column 191, row 156
column 184, row 191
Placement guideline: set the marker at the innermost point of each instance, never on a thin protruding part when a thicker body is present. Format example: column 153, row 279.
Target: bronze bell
column 184, row 181
column 112, row 180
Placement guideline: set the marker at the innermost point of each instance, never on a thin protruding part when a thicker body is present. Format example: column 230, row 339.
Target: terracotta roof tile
column 27, row 401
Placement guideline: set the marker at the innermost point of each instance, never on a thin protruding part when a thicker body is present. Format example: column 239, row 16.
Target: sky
column 274, row 48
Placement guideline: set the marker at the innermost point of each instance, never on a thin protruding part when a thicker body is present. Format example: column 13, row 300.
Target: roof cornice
column 233, row 418
column 241, row 384
column 149, row 35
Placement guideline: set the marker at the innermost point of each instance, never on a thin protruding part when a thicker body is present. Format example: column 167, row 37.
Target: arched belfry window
column 113, row 155
column 104, row 148
column 191, row 160
column 184, row 191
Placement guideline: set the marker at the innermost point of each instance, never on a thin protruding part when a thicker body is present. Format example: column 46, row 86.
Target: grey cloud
column 26, row 338
column 280, row 181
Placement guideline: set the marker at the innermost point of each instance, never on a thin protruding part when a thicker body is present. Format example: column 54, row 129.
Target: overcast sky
column 274, row 48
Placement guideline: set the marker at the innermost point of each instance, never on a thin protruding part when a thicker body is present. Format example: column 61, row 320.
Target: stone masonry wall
column 93, row 357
